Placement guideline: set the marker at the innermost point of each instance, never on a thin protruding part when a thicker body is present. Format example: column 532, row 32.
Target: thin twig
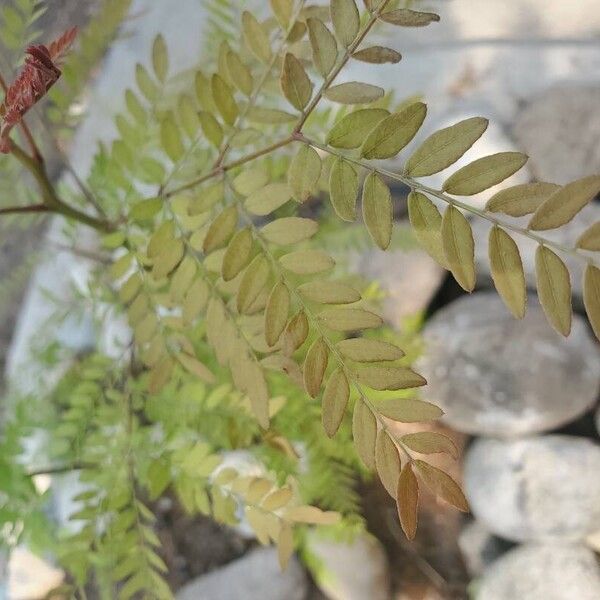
column 32, row 208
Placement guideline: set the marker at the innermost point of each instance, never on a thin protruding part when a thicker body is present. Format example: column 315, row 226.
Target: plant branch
column 32, row 208
column 60, row 469
column 484, row 214
column 336, row 71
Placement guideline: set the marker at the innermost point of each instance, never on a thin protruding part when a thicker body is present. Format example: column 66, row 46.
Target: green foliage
column 245, row 334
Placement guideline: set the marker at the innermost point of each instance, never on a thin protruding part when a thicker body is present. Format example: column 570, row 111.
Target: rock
column 255, row 576
column 542, row 572
column 538, row 488
column 561, row 122
column 351, row 571
column 495, row 375
column 479, row 547
column 409, row 278
column 29, row 576
column 565, row 236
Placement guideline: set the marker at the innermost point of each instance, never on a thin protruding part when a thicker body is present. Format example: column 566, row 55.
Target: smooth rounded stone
column 496, row 375
column 479, row 547
column 255, row 576
column 351, row 571
column 559, row 129
column 537, row 488
column 566, row 236
column 542, row 572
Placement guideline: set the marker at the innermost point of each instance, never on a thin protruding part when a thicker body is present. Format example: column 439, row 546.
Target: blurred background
column 520, row 401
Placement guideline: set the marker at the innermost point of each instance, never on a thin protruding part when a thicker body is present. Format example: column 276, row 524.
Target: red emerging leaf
column 38, row 75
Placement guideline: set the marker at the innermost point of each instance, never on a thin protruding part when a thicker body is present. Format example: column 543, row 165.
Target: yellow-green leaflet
column 404, row 17
column 442, row 485
column 377, row 210
column 237, row 255
column 444, row 147
column 249, row 181
column 349, row 319
column 343, row 189
column 591, row 297
column 160, row 58
column 377, row 55
column 387, row 461
column 484, row 173
column 335, row 400
column 563, row 205
column 211, row 128
column 388, row 378
column 351, row 130
column 255, row 37
column 408, row 410
column 354, row 92
column 324, row 46
column 253, row 282
column 223, row 97
column 170, row 138
column 426, row 221
column 394, row 132
column 307, row 262
column 221, row 229
column 459, row 247
column 276, row 313
column 289, row 230
column 268, row 199
column 169, row 257
column 329, row 292
column 195, row 367
column 364, row 431
column 295, row 84
column 304, row 173
column 430, row 442
column 523, row 199
column 295, row 333
column 315, row 366
column 269, row 116
column 507, row 271
column 408, row 501
column 590, row 238
column 145, row 83
column 207, row 198
column 283, row 10
column 554, row 289
column 188, row 116
column 241, row 76
column 346, row 20
column 366, row 350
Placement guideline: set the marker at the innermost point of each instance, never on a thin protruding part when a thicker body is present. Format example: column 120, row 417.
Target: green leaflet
column 591, row 297
column 304, row 173
column 590, row 238
column 170, row 139
column 289, row 230
column 459, row 247
column 349, row 319
column 367, row 350
column 307, row 262
column 507, row 271
column 253, row 283
column 223, row 98
column 394, row 132
column 564, row 204
column 388, row 378
column 160, row 58
column 354, row 92
column 484, row 173
column 335, row 401
column 387, row 461
column 377, row 55
column 329, row 292
column 426, row 221
column 364, row 431
column 346, row 20
column 315, row 366
column 343, row 189
column 403, row 17
column 523, row 199
column 377, row 210
column 351, row 130
column 554, row 289
column 324, row 46
column 276, row 313
column 237, row 255
column 444, row 147
column 256, row 37
column 295, row 84
column 268, row 199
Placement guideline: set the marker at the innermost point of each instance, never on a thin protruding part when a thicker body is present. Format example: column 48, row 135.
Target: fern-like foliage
column 229, row 293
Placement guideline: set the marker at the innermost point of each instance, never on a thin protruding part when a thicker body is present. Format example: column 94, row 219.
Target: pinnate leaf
column 324, row 46
column 253, row 283
column 523, row 199
column 238, row 254
column 377, row 210
column 335, row 400
column 276, row 313
column 255, row 37
column 364, row 431
column 289, row 230
column 346, row 20
column 404, row 17
column 354, row 92
column 426, row 222
column 377, row 55
column 351, row 130
column 268, row 199
column 295, row 84
column 315, row 366
column 349, row 319
column 459, row 247
column 221, row 229
column 307, row 262
column 304, row 173
column 329, row 292
column 343, row 189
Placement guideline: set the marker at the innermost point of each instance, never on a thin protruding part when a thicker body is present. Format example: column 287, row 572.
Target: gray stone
column 255, row 576
column 542, row 572
column 351, row 571
column 409, row 278
column 539, row 488
column 495, row 375
column 559, row 129
column 565, row 236
column 479, row 547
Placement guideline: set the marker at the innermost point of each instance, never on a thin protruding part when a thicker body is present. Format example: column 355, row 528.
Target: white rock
column 29, row 576
column 351, row 571
column 539, row 488
column 255, row 576
column 542, row 572
column 479, row 547
column 495, row 375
